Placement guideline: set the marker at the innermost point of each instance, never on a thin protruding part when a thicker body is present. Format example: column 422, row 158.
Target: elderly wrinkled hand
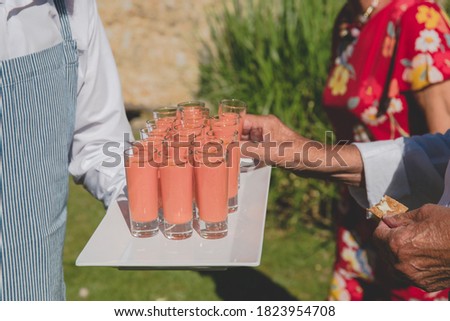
column 270, row 140
column 267, row 139
column 417, row 245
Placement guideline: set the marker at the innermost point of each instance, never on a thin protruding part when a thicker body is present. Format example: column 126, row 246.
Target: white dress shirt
column 413, row 170
column 28, row 26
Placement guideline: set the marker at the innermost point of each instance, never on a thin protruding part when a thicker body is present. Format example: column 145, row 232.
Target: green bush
column 275, row 55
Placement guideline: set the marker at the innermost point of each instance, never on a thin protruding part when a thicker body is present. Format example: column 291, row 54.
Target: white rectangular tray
column 112, row 244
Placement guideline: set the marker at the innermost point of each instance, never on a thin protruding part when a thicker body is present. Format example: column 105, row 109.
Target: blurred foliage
column 275, row 55
column 446, row 5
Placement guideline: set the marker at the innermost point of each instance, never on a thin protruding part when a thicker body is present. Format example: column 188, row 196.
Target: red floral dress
column 352, row 100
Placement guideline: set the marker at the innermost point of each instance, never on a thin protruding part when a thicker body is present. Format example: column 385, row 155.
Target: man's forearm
column 268, row 139
column 340, row 163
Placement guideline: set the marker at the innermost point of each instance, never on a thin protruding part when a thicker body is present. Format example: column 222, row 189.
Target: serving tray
column 112, row 244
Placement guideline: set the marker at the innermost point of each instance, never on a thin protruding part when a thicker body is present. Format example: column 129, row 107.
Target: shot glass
column 165, row 117
column 146, row 133
column 233, row 106
column 186, row 137
column 142, row 185
column 176, row 177
column 193, row 113
column 150, row 124
column 211, row 183
column 154, row 139
column 191, row 104
column 182, row 138
column 227, row 131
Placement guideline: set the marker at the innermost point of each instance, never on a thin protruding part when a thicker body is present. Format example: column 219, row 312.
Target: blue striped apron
column 37, row 114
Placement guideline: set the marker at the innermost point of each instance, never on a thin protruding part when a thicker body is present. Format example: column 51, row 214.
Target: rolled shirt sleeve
column 411, row 170
column 101, row 127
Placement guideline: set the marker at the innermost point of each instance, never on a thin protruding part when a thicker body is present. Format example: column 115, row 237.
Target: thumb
column 382, row 230
column 254, row 127
column 262, row 122
column 249, row 122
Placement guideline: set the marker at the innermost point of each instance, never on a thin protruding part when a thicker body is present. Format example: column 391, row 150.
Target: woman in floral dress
column 388, row 79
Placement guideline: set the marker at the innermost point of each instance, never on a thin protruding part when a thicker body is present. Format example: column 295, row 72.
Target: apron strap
column 64, row 19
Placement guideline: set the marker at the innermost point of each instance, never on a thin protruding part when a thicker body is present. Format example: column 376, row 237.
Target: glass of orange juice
column 145, row 133
column 193, row 113
column 166, row 117
column 176, row 178
column 211, row 187
column 154, row 139
column 233, row 106
column 227, row 131
column 191, row 104
column 191, row 132
column 142, row 187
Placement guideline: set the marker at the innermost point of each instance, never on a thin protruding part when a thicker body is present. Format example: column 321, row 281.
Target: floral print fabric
column 352, row 99
column 357, row 79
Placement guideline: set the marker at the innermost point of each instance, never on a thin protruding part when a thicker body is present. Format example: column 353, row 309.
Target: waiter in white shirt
column 60, row 103
column 416, row 171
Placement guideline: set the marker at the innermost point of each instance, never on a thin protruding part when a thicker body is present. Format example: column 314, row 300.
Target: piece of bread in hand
column 387, row 206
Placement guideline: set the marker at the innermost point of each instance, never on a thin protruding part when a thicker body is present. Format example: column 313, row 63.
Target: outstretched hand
column 267, row 139
column 417, row 245
column 271, row 141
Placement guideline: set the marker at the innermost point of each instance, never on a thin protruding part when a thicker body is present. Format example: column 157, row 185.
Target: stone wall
column 156, row 44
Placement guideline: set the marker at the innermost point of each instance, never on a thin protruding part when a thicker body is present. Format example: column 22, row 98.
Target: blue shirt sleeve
column 411, row 170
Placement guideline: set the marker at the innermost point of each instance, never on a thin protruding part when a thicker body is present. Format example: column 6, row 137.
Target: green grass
column 295, row 265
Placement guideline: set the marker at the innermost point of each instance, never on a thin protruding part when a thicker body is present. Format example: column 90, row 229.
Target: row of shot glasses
column 183, row 173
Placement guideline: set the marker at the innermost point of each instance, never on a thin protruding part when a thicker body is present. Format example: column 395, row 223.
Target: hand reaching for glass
column 269, row 140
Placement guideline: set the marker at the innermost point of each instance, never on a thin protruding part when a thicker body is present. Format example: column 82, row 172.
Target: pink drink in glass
column 194, row 116
column 227, row 132
column 211, row 180
column 212, row 191
column 233, row 172
column 165, row 123
column 165, row 117
column 234, row 106
column 142, row 185
column 176, row 190
column 176, row 177
column 232, row 117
